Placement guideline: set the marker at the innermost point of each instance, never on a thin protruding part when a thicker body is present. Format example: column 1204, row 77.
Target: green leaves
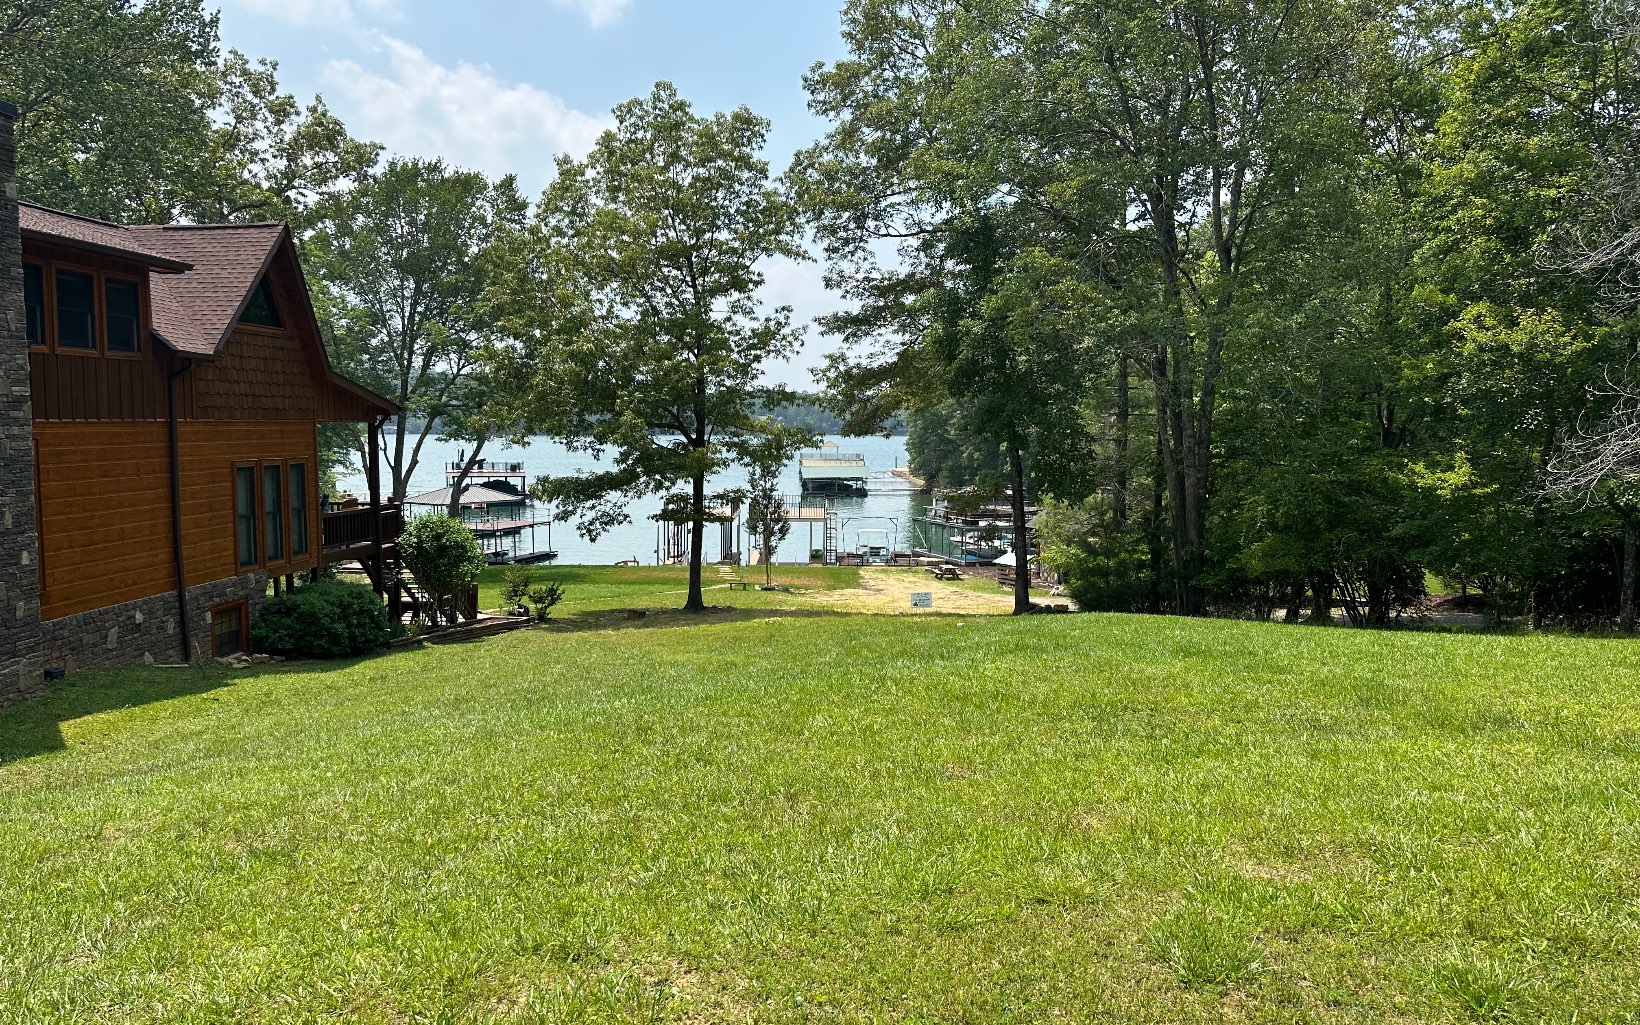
column 656, row 242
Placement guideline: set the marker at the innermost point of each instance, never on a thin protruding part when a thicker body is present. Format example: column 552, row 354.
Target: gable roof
column 201, row 277
column 42, row 224
column 196, row 310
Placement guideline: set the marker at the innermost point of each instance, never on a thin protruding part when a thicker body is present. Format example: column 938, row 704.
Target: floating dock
column 830, row 472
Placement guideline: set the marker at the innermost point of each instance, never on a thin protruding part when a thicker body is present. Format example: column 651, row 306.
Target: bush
column 517, row 583
column 445, row 558
column 328, row 619
column 546, row 596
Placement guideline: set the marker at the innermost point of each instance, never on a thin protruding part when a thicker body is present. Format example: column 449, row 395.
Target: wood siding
column 90, row 385
column 105, row 500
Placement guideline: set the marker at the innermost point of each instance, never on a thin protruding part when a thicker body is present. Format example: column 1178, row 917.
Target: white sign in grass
column 922, row 599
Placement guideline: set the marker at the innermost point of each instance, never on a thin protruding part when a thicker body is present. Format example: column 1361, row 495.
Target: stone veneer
column 145, row 630
column 19, row 557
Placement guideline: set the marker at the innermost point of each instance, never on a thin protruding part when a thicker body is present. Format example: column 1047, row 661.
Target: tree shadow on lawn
column 34, row 727
column 677, row 619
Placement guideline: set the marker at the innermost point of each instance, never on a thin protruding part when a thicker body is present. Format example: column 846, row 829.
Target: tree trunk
column 697, row 542
column 768, row 555
column 460, row 482
column 1321, row 585
column 1119, row 488
column 1295, row 605
column 1022, row 548
column 1631, row 542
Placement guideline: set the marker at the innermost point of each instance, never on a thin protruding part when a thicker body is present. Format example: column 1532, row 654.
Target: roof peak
column 205, row 227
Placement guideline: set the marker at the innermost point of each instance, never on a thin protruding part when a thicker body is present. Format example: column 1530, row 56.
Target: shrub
column 517, row 583
column 444, row 556
column 543, row 598
column 328, row 619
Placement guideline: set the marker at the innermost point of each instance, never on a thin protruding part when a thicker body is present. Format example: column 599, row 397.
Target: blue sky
column 503, row 86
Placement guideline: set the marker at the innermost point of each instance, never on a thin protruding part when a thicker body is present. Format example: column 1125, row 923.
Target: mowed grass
column 600, row 588
column 793, row 817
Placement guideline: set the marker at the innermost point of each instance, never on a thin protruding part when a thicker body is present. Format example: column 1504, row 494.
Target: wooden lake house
column 159, row 464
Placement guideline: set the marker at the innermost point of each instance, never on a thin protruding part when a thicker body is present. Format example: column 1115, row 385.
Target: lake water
column 889, row 506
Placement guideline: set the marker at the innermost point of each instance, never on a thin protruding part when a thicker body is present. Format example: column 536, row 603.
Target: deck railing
column 350, row 528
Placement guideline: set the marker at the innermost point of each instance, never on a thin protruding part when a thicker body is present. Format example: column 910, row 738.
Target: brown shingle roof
column 194, row 311
column 88, row 233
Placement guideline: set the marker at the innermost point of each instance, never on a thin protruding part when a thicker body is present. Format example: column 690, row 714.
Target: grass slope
column 812, row 816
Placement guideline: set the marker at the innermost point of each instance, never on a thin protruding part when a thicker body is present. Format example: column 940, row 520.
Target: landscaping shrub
column 544, row 597
column 517, row 583
column 445, row 558
column 328, row 619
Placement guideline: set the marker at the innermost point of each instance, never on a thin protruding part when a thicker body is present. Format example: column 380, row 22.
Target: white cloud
column 325, row 13
column 464, row 114
column 598, row 13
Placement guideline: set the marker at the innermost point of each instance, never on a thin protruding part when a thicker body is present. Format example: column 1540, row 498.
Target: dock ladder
column 833, row 528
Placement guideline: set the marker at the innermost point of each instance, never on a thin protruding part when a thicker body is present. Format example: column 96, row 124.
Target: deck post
column 380, row 576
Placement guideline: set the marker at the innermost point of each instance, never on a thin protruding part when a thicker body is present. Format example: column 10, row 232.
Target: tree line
column 1275, row 305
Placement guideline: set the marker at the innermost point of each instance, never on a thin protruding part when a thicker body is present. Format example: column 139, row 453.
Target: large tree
column 1177, row 158
column 406, row 260
column 665, row 227
column 130, row 112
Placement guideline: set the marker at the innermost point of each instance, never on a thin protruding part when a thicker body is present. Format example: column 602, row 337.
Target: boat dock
column 830, row 472
column 496, row 506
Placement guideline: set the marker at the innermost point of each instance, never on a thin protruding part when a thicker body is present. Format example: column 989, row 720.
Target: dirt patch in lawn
column 888, row 591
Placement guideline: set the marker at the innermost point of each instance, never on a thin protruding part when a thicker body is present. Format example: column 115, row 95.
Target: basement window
column 228, row 630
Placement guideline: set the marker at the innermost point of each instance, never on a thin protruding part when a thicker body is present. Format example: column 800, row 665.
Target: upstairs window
column 273, row 510
column 261, row 310
column 244, row 513
column 76, row 310
column 34, row 303
column 298, row 509
column 122, row 303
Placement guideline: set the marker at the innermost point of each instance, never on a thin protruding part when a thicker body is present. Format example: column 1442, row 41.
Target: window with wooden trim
column 298, row 509
column 230, row 631
column 273, row 511
column 122, row 305
column 84, row 310
column 262, row 310
column 76, row 310
column 244, row 512
column 34, row 303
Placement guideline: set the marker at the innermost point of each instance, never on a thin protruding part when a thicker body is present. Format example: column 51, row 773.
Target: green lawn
column 597, row 588
column 807, row 815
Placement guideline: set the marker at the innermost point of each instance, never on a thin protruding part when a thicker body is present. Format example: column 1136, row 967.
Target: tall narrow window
column 34, row 303
column 244, row 511
column 123, row 305
column 76, row 310
column 273, row 508
column 298, row 509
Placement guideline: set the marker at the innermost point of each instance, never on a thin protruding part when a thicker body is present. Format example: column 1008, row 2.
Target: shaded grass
column 839, row 818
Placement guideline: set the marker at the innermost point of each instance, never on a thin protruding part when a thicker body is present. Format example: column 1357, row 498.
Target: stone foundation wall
column 145, row 631
column 19, row 561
